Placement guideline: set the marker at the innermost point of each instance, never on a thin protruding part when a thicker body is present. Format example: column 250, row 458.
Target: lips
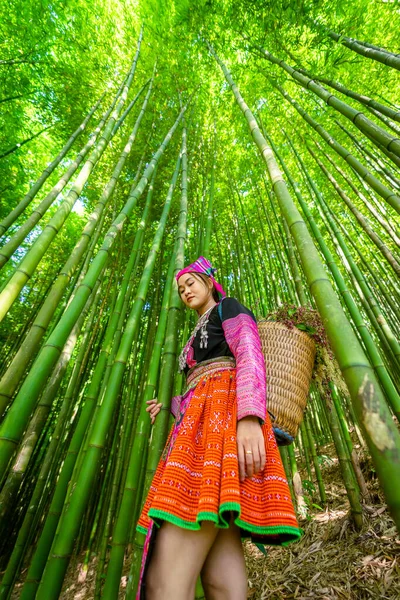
column 190, row 298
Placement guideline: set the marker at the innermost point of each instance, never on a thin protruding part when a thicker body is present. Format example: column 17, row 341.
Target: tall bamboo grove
column 281, row 173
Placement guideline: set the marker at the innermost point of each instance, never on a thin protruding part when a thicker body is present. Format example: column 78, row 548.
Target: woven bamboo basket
column 289, row 359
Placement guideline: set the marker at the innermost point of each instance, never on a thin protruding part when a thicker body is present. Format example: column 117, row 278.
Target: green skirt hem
column 289, row 534
column 141, row 529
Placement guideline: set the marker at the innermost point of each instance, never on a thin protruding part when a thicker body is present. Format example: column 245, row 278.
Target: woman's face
column 194, row 292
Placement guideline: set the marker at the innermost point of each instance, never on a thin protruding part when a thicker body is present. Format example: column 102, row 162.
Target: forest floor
column 331, row 562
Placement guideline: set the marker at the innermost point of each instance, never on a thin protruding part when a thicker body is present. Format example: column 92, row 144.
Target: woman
column 220, row 478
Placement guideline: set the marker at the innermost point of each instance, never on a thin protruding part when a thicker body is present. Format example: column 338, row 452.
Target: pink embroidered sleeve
column 241, row 334
column 175, row 403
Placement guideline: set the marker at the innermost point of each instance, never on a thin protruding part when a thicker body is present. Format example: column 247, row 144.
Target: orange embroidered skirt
column 197, row 478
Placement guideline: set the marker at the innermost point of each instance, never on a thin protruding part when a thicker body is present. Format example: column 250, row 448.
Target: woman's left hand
column 251, row 447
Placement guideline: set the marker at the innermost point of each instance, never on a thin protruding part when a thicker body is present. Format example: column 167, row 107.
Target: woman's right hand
column 153, row 408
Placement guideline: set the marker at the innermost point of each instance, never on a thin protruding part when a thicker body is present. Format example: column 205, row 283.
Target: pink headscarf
column 202, row 265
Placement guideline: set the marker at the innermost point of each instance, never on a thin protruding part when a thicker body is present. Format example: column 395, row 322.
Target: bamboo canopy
column 136, row 137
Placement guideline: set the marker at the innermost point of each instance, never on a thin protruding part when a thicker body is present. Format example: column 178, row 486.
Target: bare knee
column 213, row 586
column 217, row 587
column 159, row 587
column 226, row 583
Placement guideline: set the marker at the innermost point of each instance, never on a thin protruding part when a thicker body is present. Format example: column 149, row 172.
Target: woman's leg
column 223, row 575
column 176, row 561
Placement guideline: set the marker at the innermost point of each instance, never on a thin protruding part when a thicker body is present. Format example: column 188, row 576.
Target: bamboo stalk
column 18, row 237
column 363, row 123
column 363, row 386
column 16, row 419
column 93, row 395
column 355, row 164
column 365, row 49
column 359, row 216
column 29, row 196
column 54, row 572
column 15, row 371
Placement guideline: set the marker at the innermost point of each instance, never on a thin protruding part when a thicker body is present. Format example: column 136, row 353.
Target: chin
column 194, row 305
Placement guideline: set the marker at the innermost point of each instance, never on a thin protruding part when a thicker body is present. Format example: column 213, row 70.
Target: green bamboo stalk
column 375, row 280
column 386, row 174
column 17, row 238
column 389, row 155
column 113, row 468
column 381, row 434
column 272, row 274
column 283, row 451
column 306, row 449
column 363, row 123
column 260, row 295
column 27, row 528
column 354, row 163
column 355, row 314
column 251, row 294
column 241, row 269
column 356, row 424
column 13, row 482
column 369, row 302
column 379, row 163
column 206, row 247
column 359, row 277
column 19, row 413
column 369, row 51
column 361, row 148
column 81, row 272
column 345, row 465
column 278, row 220
column 68, row 528
column 362, row 220
column 274, row 240
column 15, row 371
column 374, row 47
column 9, row 98
column 376, row 213
column 32, row 258
column 352, row 453
column 123, row 523
column 129, row 429
column 300, row 290
column 377, row 107
column 254, row 299
column 302, row 508
column 29, row 196
column 282, row 249
column 374, row 305
column 166, row 376
column 315, row 428
column 114, row 332
column 19, row 145
column 384, row 119
column 94, row 394
column 317, row 469
column 267, row 283
column 323, row 425
column 105, row 526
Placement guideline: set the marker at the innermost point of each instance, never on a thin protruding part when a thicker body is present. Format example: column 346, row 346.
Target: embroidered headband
column 202, row 265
